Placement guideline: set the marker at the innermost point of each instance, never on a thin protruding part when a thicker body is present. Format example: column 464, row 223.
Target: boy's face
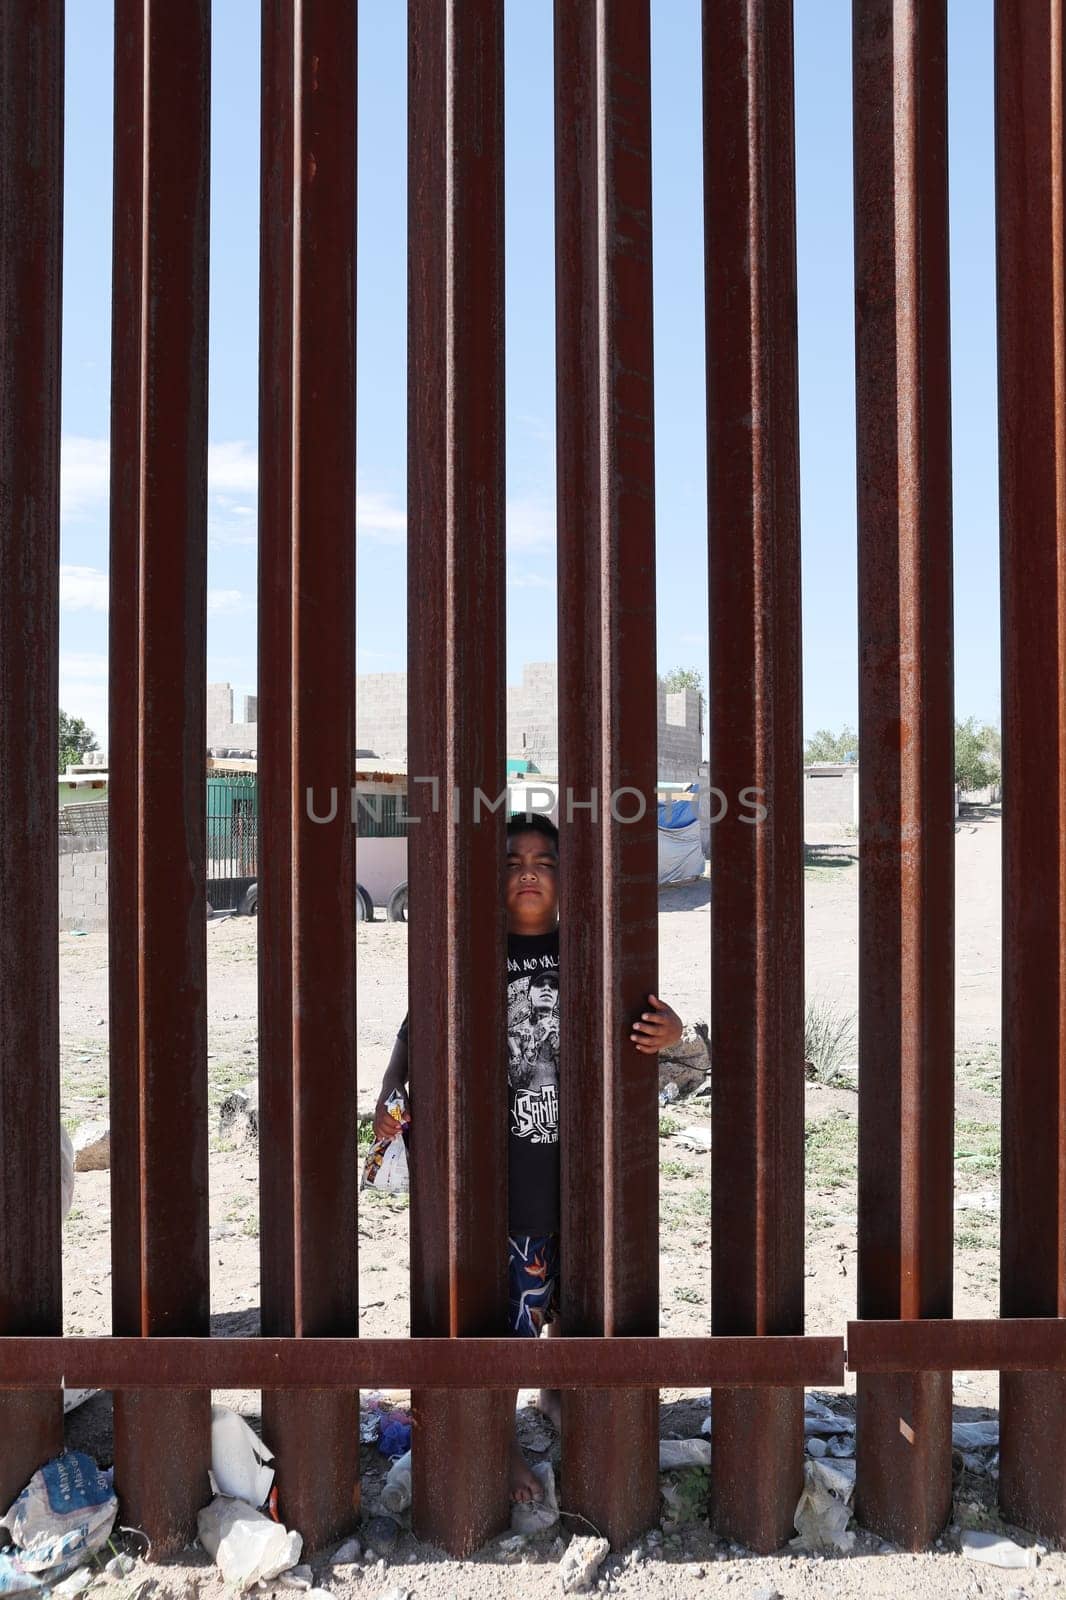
column 532, row 882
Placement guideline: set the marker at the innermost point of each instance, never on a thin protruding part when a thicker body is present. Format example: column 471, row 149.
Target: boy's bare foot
column 550, row 1402
column 524, row 1486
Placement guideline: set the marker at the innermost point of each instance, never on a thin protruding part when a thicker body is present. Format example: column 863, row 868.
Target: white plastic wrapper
column 674, row 1453
column 246, row 1546
column 238, row 1458
column 823, row 1512
column 396, row 1492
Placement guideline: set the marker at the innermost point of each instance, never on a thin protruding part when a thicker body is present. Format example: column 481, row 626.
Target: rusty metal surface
column 124, row 807
column 608, row 894
column 1030, row 248
column 31, row 231
column 315, row 1434
column 755, row 741
column 1009, row 1344
column 440, row 1363
column 285, row 1415
column 906, row 712
column 158, row 716
column 456, row 740
column 275, row 792
column 307, row 655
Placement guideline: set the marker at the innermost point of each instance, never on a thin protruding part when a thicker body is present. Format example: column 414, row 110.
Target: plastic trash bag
column 61, row 1518
column 675, row 1453
column 396, row 1494
column 246, row 1546
column 821, row 1518
column 996, row 1550
column 238, row 1458
column 66, row 1171
column 394, row 1435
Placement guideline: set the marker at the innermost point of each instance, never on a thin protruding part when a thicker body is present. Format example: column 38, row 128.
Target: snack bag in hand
column 386, row 1165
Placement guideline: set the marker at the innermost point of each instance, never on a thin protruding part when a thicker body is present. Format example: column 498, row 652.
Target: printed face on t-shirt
column 544, row 997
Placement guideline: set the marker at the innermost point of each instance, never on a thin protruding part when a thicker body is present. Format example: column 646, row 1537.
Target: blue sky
column 823, row 104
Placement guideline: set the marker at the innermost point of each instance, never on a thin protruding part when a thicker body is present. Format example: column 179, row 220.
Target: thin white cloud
column 233, row 483
column 530, row 525
column 226, row 602
column 82, row 666
column 378, row 517
column 232, row 471
column 530, row 580
column 83, row 589
column 86, row 589
column 83, row 475
column 83, row 688
column 232, row 468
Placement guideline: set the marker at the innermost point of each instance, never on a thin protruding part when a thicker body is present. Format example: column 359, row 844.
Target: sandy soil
column 689, row 1560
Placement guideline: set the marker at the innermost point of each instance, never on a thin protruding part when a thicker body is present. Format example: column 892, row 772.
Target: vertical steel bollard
column 755, row 748
column 906, row 780
column 31, row 233
column 157, row 897
column 607, row 738
column 1031, row 246
column 308, row 1155
column 456, row 746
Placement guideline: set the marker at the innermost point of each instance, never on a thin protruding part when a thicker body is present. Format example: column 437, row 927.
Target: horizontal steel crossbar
column 1004, row 1344
column 180, row 1363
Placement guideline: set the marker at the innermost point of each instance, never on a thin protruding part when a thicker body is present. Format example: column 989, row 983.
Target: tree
column 75, row 739
column 977, row 755
column 683, row 678
column 836, row 747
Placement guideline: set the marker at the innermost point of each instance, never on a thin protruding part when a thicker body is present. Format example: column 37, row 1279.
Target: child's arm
column 657, row 1029
column 394, row 1082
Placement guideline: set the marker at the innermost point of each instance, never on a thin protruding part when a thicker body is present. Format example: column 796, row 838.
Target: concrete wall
column 222, row 732
column 533, row 725
column 219, row 712
column 830, row 801
column 238, row 736
column 532, row 716
column 532, row 721
column 83, row 888
column 381, row 714
column 680, row 734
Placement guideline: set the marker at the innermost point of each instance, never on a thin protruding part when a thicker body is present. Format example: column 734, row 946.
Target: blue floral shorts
column 532, row 1283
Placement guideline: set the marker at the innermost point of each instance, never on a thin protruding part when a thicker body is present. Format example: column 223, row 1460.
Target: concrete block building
column 830, row 801
column 223, row 733
column 532, row 721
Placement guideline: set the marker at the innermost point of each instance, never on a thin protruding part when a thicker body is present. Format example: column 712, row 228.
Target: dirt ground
column 686, row 1560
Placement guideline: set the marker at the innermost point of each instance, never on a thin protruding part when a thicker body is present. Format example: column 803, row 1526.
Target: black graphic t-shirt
column 532, row 1081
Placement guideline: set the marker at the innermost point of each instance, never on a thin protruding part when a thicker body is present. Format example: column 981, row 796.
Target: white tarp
column 680, row 853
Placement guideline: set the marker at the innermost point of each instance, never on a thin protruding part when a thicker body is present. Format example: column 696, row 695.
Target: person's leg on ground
column 532, row 1270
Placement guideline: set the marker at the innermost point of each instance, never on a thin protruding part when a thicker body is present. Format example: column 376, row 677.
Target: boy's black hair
column 533, row 822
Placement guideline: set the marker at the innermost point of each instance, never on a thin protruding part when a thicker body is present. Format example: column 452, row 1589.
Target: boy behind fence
column 531, row 892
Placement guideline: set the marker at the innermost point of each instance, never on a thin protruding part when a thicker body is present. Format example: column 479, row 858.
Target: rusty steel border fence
column 610, row 1361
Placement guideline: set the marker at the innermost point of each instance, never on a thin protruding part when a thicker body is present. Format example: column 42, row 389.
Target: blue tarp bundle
column 677, row 814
